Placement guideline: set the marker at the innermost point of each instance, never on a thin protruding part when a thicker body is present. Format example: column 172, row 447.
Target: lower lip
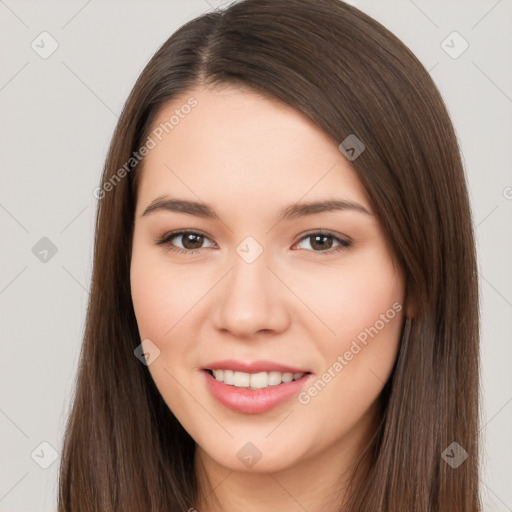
column 253, row 401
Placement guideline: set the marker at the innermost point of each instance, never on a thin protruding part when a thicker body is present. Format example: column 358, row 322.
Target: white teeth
column 259, row 380
column 287, row 377
column 254, row 380
column 274, row 378
column 228, row 377
column 241, row 380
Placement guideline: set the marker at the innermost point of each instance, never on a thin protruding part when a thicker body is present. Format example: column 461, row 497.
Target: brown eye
column 325, row 243
column 191, row 241
column 321, row 242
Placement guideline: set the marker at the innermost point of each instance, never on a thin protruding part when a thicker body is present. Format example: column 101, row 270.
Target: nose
column 251, row 300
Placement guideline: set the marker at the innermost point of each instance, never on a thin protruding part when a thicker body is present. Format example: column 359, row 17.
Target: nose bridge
column 249, row 280
column 250, row 268
column 249, row 300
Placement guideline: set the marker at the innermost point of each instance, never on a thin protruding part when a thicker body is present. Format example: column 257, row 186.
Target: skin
column 248, row 157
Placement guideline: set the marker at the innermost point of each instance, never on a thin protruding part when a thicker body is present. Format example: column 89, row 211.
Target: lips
column 254, row 367
column 251, row 400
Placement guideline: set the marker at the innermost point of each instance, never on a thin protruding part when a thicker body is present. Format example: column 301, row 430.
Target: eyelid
column 172, row 234
column 343, row 244
column 339, row 236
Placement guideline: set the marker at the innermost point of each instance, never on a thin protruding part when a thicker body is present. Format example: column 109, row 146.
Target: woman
column 284, row 303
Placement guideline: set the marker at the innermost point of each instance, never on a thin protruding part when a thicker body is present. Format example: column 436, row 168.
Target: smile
column 253, row 393
column 258, row 380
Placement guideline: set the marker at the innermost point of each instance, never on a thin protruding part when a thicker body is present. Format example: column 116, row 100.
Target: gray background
column 57, row 117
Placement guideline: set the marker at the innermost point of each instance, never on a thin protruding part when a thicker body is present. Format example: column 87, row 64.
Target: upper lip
column 252, row 366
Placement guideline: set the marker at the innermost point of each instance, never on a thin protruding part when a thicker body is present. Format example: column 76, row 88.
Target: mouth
column 253, row 393
column 260, row 380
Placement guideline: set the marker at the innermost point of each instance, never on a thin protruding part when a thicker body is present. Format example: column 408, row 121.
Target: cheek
column 350, row 298
column 161, row 299
column 365, row 310
column 164, row 302
column 152, row 302
column 168, row 312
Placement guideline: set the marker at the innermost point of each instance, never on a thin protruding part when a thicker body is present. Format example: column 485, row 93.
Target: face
column 298, row 309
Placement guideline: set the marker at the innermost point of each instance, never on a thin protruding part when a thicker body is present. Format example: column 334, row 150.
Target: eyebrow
column 293, row 211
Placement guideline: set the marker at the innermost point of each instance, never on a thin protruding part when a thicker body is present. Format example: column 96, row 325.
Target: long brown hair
column 123, row 449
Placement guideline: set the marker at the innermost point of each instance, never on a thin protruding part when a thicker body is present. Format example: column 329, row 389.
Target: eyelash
column 166, row 240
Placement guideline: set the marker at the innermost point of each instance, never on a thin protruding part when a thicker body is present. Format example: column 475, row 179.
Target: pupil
column 320, row 245
column 188, row 238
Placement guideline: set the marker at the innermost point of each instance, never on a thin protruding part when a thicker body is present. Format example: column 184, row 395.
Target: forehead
column 234, row 142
